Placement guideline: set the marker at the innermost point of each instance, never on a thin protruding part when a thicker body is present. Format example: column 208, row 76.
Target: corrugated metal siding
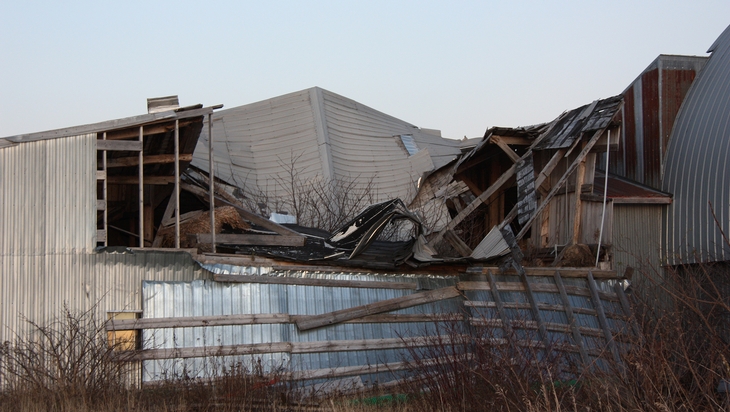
column 698, row 166
column 36, row 287
column 208, row 298
column 48, row 192
column 637, row 233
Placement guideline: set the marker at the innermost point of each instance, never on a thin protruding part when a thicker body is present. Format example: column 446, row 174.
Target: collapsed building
column 177, row 226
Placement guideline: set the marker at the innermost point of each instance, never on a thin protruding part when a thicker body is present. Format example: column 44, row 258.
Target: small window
column 409, row 144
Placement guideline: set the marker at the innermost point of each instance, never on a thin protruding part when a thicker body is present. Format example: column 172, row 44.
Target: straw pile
column 199, row 222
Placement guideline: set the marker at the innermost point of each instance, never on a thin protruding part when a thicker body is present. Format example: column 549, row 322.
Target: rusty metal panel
column 48, row 192
column 650, row 133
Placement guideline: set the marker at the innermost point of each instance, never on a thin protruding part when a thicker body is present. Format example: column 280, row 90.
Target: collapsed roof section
column 314, row 135
column 516, row 175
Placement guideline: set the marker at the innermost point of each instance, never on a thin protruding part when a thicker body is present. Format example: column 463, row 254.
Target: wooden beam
column 506, row 326
column 101, row 235
column 536, row 315
column 150, row 159
column 560, row 183
column 475, row 203
column 148, row 130
column 100, row 174
column 251, row 217
column 536, row 287
column 119, row 145
column 518, row 141
column 572, row 320
column 248, row 239
column 462, row 248
column 506, row 149
column 281, row 280
column 134, row 180
column 388, row 305
column 566, row 272
column 598, row 306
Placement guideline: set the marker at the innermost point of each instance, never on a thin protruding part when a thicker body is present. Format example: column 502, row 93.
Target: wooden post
column 177, row 184
column 141, row 189
column 211, row 175
column 105, row 194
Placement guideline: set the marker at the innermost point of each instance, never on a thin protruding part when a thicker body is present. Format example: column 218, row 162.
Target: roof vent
column 162, row 104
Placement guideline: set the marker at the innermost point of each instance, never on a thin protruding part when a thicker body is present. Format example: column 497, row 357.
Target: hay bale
column 200, row 223
column 579, row 255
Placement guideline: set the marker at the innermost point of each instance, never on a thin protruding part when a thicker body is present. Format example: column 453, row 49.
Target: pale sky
column 457, row 66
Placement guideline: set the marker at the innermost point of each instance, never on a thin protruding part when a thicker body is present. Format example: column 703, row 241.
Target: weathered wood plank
column 100, row 204
column 506, row 149
column 281, row 280
column 500, row 307
column 101, row 235
column 134, row 180
column 598, row 306
column 388, row 305
column 565, row 272
column 458, row 244
column 251, row 239
column 119, row 145
column 579, row 179
column 149, row 159
column 100, row 174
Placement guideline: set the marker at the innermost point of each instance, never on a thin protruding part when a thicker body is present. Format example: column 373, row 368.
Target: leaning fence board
column 264, row 319
column 287, row 347
column 282, row 280
column 602, row 319
column 378, row 307
column 577, row 336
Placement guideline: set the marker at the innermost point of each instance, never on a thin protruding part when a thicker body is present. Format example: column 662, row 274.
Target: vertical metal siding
column 48, row 192
column 698, row 165
column 37, row 287
column 636, row 239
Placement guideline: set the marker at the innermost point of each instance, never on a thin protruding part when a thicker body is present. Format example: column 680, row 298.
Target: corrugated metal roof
column 698, row 165
column 570, row 126
column 321, row 135
column 625, row 191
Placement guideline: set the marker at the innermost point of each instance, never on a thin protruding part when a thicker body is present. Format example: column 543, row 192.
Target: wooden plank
column 536, row 315
column 100, row 204
column 101, row 235
column 266, row 319
column 281, row 280
column 148, row 160
column 536, row 287
column 134, row 180
column 251, row 239
column 458, row 244
column 286, row 347
column 148, row 130
column 474, row 204
column 626, row 307
column 251, row 217
column 560, row 183
column 532, row 325
column 577, row 337
column 100, row 174
column 566, row 272
column 506, row 149
column 507, row 327
column 388, row 305
column 598, row 306
column 119, row 145
column 519, row 141
column 198, row 321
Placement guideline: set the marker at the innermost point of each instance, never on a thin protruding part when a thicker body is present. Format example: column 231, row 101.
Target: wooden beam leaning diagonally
column 505, row 148
column 577, row 337
column 506, row 324
column 535, row 309
column 388, row 305
column 474, row 204
column 601, row 314
column 583, row 153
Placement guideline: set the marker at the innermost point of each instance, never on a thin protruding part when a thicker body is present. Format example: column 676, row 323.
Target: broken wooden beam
column 251, row 239
column 388, row 305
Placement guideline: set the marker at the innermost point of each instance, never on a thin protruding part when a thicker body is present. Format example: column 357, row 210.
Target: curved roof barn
column 697, row 171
